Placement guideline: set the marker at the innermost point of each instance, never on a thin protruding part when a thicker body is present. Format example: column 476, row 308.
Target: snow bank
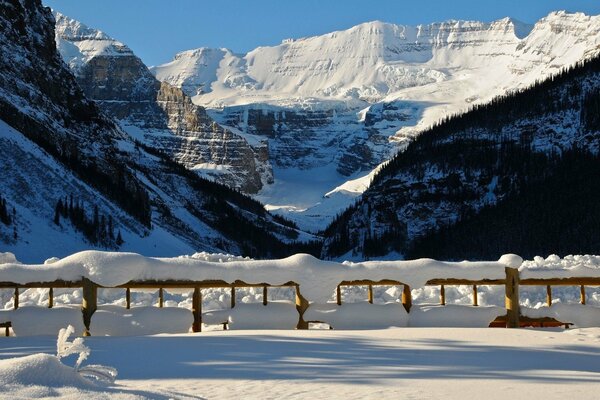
column 555, row 267
column 275, row 315
column 39, row 370
column 137, row 321
column 33, row 321
column 8, row 258
column 316, row 278
column 362, row 315
column 452, row 315
column 582, row 316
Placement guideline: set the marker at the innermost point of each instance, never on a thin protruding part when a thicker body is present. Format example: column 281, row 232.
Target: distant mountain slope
column 72, row 179
column 490, row 159
column 337, row 105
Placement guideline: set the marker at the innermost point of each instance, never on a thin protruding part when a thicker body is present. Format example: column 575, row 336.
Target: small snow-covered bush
column 65, row 348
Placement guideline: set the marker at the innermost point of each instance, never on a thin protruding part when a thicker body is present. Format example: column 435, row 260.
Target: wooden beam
column 457, row 282
column 232, row 296
column 511, row 297
column 301, row 306
column 128, row 298
column 475, row 299
column 89, row 304
column 406, row 298
column 582, row 293
column 161, row 297
column 265, row 295
column 197, row 310
column 370, row 294
column 442, row 295
column 50, row 297
column 562, row 282
column 549, row 295
column 16, row 299
column 338, row 295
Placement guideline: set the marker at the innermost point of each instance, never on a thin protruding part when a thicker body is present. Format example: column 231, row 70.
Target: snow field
column 418, row 363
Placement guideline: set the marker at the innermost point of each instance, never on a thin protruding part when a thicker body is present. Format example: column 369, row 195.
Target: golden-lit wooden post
column 549, row 295
column 50, row 297
column 338, row 295
column 89, row 304
column 442, row 295
column 511, row 297
column 370, row 294
column 265, row 295
column 128, row 298
column 16, row 299
column 301, row 306
column 197, row 310
column 582, row 294
column 475, row 299
column 406, row 298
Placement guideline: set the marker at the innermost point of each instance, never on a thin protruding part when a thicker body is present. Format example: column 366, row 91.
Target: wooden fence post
column 338, row 295
column 197, row 310
column 582, row 293
column 475, row 299
column 161, row 297
column 301, row 306
column 89, row 304
column 265, row 295
column 370, row 293
column 16, row 299
column 128, row 298
column 406, row 298
column 549, row 295
column 50, row 297
column 442, row 295
column 232, row 296
column 511, row 297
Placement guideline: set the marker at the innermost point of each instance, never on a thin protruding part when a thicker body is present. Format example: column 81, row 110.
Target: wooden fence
column 511, row 282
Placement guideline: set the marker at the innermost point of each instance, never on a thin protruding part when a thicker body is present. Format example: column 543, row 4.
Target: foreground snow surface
column 414, row 363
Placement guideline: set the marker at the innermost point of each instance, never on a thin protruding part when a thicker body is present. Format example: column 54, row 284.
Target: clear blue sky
column 157, row 29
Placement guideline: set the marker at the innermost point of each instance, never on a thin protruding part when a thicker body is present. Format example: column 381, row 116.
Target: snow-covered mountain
column 157, row 113
column 73, row 179
column 333, row 107
column 521, row 172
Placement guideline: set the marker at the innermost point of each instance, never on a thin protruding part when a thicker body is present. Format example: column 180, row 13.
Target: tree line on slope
column 557, row 215
column 97, row 229
column 457, row 149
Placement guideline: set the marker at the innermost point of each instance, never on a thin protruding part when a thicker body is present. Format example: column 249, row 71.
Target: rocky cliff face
column 156, row 113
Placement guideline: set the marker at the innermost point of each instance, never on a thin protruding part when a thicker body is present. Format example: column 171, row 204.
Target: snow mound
column 582, row 316
column 119, row 321
column 35, row 321
column 275, row 315
column 361, row 315
column 453, row 315
column 8, row 258
column 40, row 370
column 555, row 267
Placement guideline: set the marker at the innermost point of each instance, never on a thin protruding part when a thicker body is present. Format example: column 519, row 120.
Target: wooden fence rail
column 512, row 282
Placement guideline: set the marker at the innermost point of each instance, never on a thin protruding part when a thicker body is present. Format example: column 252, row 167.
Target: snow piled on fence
column 316, row 278
column 249, row 313
column 556, row 267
